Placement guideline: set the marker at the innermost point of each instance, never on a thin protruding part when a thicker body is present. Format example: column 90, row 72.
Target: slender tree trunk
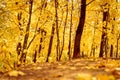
column 112, row 33
column 117, row 49
column 35, row 55
column 50, row 44
column 24, row 51
column 111, row 51
column 19, row 45
column 64, row 30
column 19, row 48
column 40, row 45
column 92, row 53
column 57, row 31
column 93, row 47
column 106, row 45
column 117, row 46
column 69, row 46
column 79, row 31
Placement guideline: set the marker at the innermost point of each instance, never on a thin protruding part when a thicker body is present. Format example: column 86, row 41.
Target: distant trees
column 118, row 33
column 110, row 40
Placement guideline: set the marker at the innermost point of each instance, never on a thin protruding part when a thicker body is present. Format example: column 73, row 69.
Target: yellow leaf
column 16, row 73
column 105, row 77
column 83, row 76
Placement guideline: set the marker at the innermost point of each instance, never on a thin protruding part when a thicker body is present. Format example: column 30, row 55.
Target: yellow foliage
column 42, row 21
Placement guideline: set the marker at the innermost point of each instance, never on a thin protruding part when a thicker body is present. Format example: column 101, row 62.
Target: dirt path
column 79, row 69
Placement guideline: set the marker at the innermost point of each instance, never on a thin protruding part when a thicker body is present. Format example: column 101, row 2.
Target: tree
column 103, row 44
column 111, row 51
column 25, row 43
column 70, row 32
column 117, row 46
column 79, row 30
column 51, row 42
column 57, row 31
column 118, row 32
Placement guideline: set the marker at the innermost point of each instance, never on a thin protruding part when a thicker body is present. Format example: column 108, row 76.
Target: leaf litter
column 78, row 69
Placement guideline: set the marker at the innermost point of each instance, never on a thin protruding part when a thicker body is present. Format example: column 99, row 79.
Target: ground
column 78, row 69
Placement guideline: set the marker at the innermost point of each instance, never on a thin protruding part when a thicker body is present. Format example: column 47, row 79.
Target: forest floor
column 78, row 69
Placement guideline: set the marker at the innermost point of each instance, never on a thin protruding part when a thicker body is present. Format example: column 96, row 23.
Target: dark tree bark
column 70, row 32
column 64, row 30
column 19, row 48
column 118, row 37
column 50, row 44
column 111, row 51
column 79, row 31
column 57, row 31
column 40, row 45
column 103, row 44
column 117, row 46
column 42, row 38
column 111, row 47
column 19, row 45
column 35, row 56
column 24, row 51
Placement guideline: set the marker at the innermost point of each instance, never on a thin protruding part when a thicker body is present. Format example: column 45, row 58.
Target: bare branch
column 90, row 2
column 34, row 34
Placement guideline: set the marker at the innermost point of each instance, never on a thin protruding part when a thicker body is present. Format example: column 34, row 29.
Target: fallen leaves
column 105, row 77
column 83, row 76
column 116, row 72
column 80, row 69
column 16, row 73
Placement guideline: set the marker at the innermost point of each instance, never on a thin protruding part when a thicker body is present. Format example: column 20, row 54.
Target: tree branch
column 90, row 2
column 34, row 34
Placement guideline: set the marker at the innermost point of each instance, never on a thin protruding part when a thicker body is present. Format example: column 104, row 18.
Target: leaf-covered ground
column 78, row 69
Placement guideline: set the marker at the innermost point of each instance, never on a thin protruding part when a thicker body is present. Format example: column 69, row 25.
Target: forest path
column 78, row 69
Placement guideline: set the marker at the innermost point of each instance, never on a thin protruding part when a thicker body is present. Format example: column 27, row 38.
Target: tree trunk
column 35, row 55
column 117, row 46
column 64, row 30
column 42, row 38
column 79, row 30
column 111, row 51
column 57, row 31
column 70, row 32
column 50, row 44
column 104, row 35
column 40, row 45
column 19, row 48
column 24, row 51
